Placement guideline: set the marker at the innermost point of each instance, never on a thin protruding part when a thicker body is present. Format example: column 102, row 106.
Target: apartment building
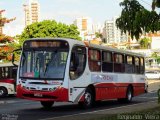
column 32, row 12
column 112, row 34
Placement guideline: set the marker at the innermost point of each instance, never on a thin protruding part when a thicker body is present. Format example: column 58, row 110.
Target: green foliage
column 156, row 56
column 135, row 19
column 98, row 35
column 145, row 43
column 49, row 29
column 155, row 3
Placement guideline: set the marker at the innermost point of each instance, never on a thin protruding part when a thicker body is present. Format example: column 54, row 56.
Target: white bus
column 67, row 70
column 8, row 74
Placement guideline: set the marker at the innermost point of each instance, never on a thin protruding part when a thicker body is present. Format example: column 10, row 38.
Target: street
column 14, row 108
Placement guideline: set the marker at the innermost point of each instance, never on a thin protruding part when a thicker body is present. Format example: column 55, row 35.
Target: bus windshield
column 43, row 62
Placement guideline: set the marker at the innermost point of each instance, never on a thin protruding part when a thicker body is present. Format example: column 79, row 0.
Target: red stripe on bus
column 10, row 81
column 117, row 90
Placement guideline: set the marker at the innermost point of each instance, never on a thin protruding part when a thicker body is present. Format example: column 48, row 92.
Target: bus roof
column 115, row 50
column 73, row 41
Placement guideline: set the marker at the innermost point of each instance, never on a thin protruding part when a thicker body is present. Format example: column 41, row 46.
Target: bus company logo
column 142, row 79
column 102, row 78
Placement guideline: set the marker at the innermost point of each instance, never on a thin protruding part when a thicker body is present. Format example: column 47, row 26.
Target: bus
column 67, row 70
column 8, row 74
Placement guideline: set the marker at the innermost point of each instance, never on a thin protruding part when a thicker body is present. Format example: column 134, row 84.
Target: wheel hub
column 129, row 95
column 1, row 92
column 88, row 98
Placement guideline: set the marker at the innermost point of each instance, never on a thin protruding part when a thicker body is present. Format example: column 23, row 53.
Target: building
column 85, row 27
column 112, row 34
column 32, row 12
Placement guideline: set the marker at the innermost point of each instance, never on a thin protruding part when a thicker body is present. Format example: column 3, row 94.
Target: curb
column 111, row 111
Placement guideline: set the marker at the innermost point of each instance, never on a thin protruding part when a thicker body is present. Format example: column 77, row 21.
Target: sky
column 65, row 11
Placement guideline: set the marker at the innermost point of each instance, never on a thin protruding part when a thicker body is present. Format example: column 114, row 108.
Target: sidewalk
column 116, row 110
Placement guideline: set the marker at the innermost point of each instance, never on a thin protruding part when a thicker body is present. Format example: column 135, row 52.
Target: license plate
column 38, row 95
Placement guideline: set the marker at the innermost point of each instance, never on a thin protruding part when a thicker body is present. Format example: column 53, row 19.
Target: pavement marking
column 6, row 102
column 95, row 111
column 155, row 91
column 148, row 97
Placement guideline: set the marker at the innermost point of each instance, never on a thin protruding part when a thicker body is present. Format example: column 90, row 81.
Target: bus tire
column 129, row 95
column 47, row 104
column 3, row 92
column 88, row 99
column 128, row 98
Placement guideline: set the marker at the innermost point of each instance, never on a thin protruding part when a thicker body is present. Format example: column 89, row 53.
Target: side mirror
column 13, row 56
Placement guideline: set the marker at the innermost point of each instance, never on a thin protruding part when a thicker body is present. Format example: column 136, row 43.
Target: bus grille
column 44, row 96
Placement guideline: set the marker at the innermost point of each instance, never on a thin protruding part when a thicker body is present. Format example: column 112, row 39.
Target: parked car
column 152, row 75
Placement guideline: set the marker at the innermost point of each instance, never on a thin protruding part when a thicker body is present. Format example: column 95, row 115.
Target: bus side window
column 129, row 67
column 77, row 62
column 119, row 62
column 94, row 60
column 142, row 65
column 1, row 76
column 107, row 64
column 137, row 65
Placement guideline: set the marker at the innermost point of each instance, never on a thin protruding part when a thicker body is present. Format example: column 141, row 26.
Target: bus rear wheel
column 129, row 96
column 88, row 99
column 3, row 92
column 47, row 104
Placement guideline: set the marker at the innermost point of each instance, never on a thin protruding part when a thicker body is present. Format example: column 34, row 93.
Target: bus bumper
column 58, row 95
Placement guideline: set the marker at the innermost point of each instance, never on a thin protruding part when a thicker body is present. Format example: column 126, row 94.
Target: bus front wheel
column 3, row 92
column 47, row 104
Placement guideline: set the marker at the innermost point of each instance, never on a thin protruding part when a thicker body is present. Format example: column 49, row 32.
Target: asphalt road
column 12, row 108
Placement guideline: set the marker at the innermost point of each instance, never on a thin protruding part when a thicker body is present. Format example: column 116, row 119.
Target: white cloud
column 70, row 1
column 15, row 27
column 72, row 14
column 1, row 3
column 62, row 16
column 13, row 30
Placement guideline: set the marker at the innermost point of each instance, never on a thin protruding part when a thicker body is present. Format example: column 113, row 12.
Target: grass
column 150, row 114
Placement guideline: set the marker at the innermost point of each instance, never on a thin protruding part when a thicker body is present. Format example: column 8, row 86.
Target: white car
column 152, row 75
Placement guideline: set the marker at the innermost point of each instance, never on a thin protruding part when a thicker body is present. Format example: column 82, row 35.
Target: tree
column 155, row 3
column 145, row 43
column 49, row 28
column 136, row 19
column 4, row 20
column 5, row 49
column 99, row 35
column 127, row 20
